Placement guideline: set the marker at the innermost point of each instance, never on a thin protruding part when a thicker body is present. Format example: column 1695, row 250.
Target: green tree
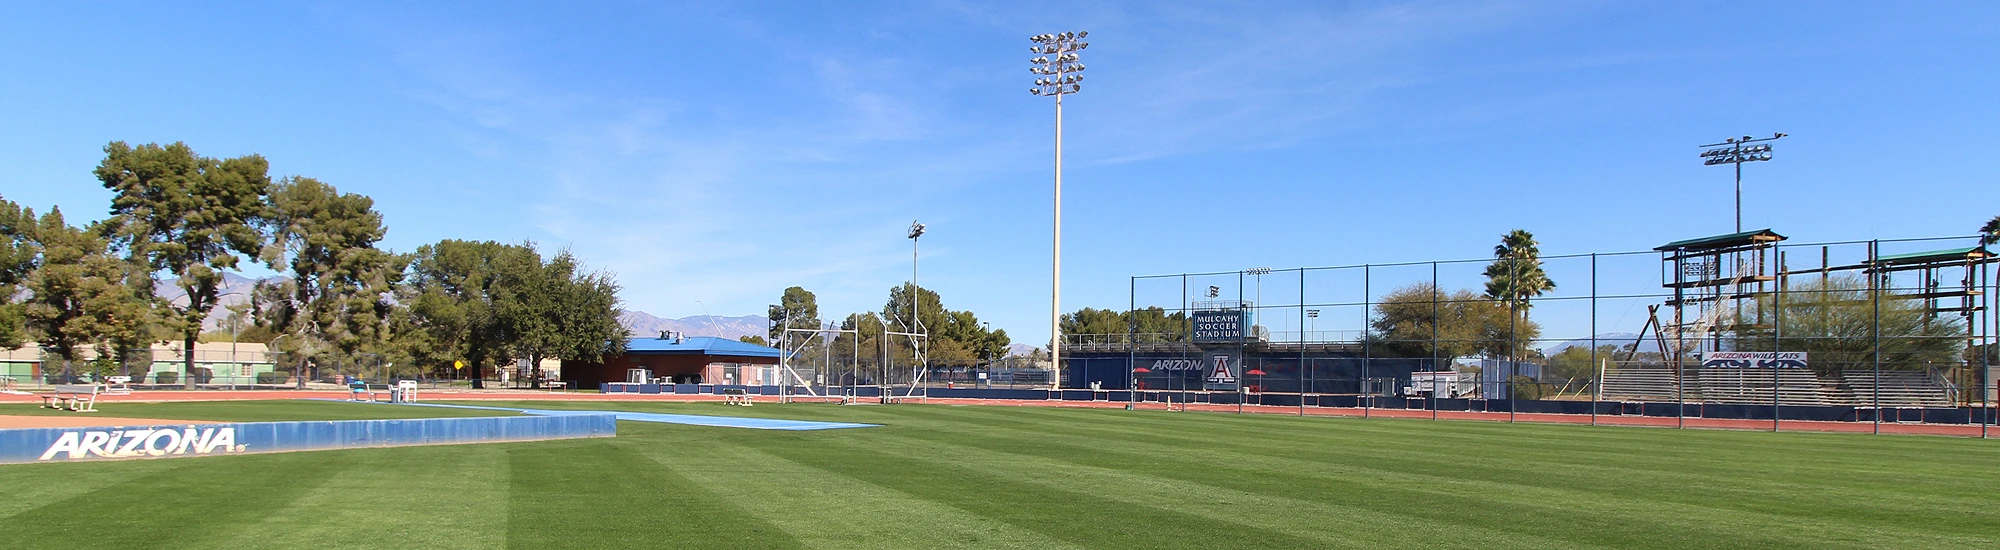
column 239, row 326
column 1834, row 322
column 753, row 339
column 1990, row 233
column 1574, row 362
column 335, row 301
column 17, row 260
column 77, row 296
column 451, row 290
column 1146, row 321
column 1515, row 278
column 556, row 310
column 797, row 308
column 864, row 345
column 953, row 338
column 1094, row 321
column 1461, row 323
column 184, row 215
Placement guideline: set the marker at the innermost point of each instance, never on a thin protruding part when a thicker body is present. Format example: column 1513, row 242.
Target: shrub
column 167, row 378
column 270, row 378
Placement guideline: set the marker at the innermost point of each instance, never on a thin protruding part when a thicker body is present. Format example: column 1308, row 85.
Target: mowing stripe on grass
column 1522, row 499
column 1142, row 483
column 1074, row 514
column 369, row 503
column 824, row 509
column 197, row 503
column 605, row 494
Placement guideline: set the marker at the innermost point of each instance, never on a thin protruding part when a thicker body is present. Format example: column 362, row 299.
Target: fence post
column 1875, row 301
column 1777, row 341
column 1595, row 384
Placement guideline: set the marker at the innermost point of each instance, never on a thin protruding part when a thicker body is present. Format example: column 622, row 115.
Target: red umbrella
column 1142, row 369
column 1255, row 372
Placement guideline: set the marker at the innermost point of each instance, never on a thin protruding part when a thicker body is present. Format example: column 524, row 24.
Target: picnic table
column 76, row 398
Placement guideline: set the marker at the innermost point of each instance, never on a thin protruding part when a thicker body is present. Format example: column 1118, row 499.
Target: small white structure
column 1433, row 384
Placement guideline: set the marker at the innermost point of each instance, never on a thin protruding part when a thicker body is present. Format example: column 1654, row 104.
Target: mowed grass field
column 1021, row 477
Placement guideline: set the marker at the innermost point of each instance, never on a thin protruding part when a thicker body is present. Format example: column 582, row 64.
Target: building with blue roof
column 680, row 360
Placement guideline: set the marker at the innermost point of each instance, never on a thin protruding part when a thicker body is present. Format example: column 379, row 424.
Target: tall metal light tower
column 1057, row 70
column 916, row 230
column 1738, row 151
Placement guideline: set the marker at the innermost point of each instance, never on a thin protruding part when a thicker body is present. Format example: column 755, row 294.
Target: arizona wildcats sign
column 1753, row 359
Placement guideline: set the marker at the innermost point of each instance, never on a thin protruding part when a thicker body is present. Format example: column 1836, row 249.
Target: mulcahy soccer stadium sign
column 1218, row 326
column 128, row 442
column 1753, row 359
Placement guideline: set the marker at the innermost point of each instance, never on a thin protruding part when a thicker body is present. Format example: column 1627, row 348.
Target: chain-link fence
column 1732, row 330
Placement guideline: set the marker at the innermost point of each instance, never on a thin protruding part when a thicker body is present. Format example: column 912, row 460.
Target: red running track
column 1958, row 430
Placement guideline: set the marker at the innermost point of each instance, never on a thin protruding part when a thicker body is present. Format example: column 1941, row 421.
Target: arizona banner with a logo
column 1753, row 359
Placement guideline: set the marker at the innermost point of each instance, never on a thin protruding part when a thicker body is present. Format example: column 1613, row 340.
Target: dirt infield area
column 86, row 421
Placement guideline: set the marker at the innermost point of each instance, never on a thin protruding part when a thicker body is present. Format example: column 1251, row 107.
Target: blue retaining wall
column 185, row 440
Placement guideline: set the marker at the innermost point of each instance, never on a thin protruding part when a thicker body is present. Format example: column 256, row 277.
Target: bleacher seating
column 1900, row 388
column 1655, row 384
column 1753, row 386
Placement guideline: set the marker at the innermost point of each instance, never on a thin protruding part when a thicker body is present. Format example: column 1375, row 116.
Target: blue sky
column 719, row 152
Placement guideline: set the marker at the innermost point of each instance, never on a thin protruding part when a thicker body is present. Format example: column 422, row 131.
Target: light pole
column 1313, row 317
column 1057, row 66
column 1259, row 306
column 916, row 230
column 1734, row 151
column 916, row 325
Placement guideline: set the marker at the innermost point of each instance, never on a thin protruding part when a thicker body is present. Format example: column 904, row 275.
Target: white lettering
column 201, row 443
column 187, row 439
column 224, row 439
column 152, row 444
column 93, row 443
column 133, row 439
column 66, row 443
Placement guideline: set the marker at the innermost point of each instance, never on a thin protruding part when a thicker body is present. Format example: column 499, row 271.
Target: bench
column 366, row 392
column 72, row 398
column 736, row 396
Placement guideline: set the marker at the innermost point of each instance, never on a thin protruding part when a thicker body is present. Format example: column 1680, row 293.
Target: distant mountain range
column 646, row 325
column 236, row 289
column 1620, row 339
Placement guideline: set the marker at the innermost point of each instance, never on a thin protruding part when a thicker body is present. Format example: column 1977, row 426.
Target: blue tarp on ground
column 689, row 419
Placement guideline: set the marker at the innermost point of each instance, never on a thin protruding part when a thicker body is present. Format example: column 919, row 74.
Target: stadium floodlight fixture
column 1736, row 151
column 1259, row 271
column 916, row 229
column 1313, row 313
column 1214, row 291
column 1055, row 63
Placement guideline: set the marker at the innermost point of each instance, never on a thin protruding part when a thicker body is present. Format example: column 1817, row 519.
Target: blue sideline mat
column 690, row 419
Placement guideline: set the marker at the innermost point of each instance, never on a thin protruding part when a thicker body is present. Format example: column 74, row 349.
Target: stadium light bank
column 1737, row 151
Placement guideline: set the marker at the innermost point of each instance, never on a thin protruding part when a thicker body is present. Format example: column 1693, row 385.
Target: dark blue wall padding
column 175, row 441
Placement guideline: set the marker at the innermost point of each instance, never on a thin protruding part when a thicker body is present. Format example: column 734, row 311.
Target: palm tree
column 1515, row 277
column 1990, row 233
